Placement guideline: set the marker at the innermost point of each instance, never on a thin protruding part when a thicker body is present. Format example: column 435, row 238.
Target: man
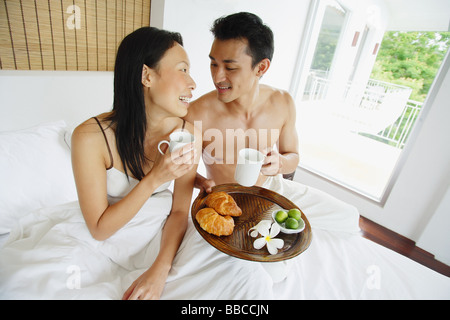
column 241, row 113
column 240, row 103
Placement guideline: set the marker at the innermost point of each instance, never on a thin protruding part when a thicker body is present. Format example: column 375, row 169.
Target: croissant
column 223, row 203
column 214, row 223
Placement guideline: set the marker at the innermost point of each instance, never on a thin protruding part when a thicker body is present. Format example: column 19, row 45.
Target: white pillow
column 35, row 171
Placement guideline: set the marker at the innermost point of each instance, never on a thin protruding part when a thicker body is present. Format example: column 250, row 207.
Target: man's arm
column 288, row 142
column 204, row 184
column 284, row 161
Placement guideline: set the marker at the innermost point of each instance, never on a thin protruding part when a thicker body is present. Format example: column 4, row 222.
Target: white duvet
column 51, row 255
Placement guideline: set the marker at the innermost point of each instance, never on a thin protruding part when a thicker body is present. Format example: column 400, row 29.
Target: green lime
column 291, row 223
column 301, row 224
column 295, row 213
column 281, row 216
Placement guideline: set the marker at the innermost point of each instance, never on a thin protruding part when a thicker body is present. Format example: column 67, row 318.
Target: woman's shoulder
column 92, row 130
column 95, row 124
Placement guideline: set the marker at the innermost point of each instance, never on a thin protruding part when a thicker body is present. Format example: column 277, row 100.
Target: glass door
column 327, row 42
column 355, row 112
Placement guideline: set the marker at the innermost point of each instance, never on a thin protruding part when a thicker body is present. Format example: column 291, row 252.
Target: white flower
column 268, row 231
column 262, row 226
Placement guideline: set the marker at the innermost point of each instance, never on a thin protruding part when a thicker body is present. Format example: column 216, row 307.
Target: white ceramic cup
column 248, row 167
column 178, row 139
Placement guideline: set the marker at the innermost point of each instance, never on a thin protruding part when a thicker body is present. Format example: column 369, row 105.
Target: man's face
column 231, row 69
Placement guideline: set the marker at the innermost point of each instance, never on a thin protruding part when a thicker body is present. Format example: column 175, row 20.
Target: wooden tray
column 257, row 204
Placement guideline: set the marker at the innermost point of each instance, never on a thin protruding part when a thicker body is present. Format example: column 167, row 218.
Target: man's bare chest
column 222, row 139
column 261, row 121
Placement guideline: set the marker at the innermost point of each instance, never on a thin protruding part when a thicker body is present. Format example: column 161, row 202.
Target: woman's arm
column 151, row 283
column 90, row 159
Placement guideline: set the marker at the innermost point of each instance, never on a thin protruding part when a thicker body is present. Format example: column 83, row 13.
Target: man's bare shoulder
column 205, row 100
column 279, row 97
column 200, row 107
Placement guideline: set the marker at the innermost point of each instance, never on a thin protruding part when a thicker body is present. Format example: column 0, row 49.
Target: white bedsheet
column 51, row 255
column 344, row 266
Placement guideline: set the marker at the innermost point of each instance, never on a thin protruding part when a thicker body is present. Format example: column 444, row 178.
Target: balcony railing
column 398, row 132
column 388, row 103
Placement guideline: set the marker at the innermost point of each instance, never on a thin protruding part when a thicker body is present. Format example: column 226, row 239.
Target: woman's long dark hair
column 147, row 46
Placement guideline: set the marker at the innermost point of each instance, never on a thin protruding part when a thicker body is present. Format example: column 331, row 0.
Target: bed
column 37, row 194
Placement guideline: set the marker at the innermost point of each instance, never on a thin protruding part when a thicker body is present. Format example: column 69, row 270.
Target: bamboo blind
column 66, row 34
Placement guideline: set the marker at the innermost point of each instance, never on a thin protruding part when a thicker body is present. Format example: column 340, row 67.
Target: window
column 355, row 112
column 330, row 30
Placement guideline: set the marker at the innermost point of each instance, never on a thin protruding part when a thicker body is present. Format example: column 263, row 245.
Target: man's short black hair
column 245, row 25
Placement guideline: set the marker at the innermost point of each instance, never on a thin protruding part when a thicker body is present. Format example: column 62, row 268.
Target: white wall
column 439, row 223
column 28, row 98
column 194, row 18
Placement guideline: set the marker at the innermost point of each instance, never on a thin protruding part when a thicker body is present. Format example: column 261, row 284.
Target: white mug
column 248, row 167
column 178, row 139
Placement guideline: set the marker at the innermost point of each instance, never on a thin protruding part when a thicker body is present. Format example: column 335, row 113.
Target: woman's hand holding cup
column 179, row 157
column 173, row 165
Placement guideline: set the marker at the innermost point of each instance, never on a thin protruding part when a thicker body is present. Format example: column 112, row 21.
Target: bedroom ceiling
column 418, row 15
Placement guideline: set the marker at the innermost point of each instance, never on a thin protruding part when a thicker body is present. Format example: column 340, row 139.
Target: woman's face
column 170, row 84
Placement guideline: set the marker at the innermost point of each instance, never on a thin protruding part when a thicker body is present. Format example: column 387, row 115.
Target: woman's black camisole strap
column 107, row 144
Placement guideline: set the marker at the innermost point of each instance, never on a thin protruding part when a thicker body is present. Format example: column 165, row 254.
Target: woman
column 152, row 89
column 125, row 231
